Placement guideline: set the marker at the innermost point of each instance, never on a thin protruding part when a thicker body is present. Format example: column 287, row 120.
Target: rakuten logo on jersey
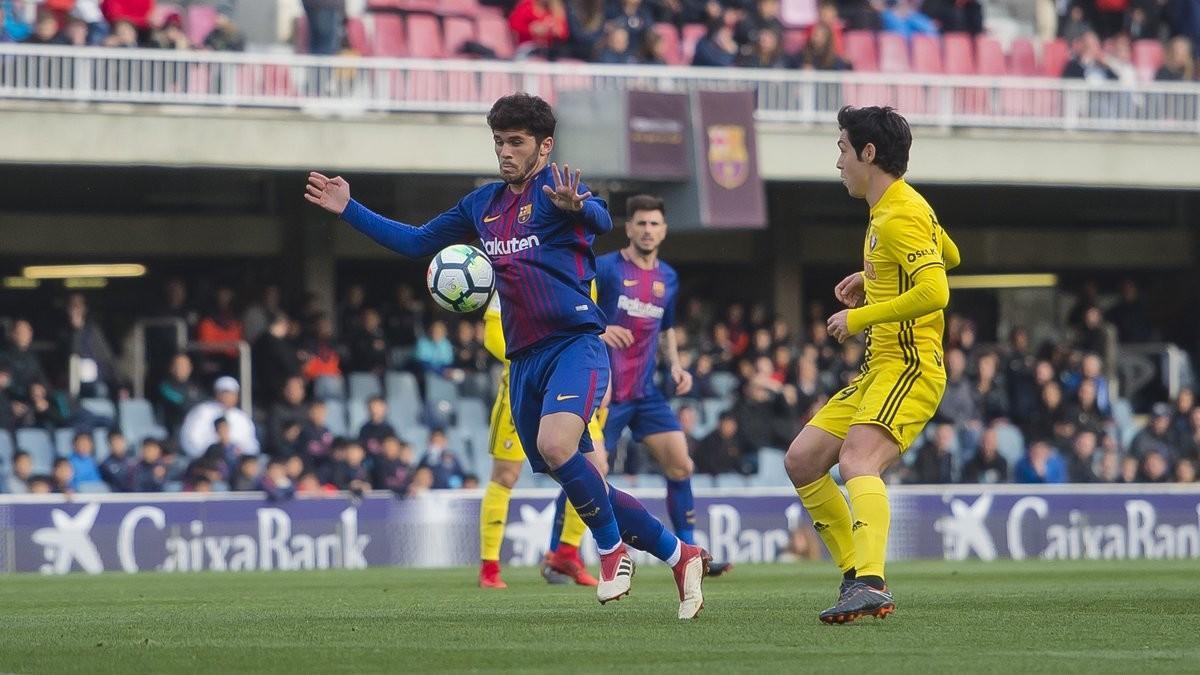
column 495, row 247
column 638, row 309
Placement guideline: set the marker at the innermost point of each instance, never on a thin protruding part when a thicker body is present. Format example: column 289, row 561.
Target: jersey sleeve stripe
column 936, row 263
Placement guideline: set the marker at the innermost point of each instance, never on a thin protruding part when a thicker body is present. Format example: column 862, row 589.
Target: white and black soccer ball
column 461, row 278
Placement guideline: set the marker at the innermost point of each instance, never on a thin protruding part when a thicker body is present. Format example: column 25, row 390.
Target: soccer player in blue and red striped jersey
column 636, row 290
column 537, row 225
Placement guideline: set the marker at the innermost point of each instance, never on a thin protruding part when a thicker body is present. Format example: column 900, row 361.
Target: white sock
column 604, row 551
column 674, row 559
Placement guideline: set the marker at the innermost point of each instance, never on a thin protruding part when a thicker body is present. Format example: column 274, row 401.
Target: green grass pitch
column 969, row 617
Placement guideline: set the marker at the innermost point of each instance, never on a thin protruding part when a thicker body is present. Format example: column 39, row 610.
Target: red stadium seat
column 201, row 19
column 495, row 34
column 1147, row 58
column 926, row 55
column 672, row 54
column 300, row 34
column 893, row 53
column 449, row 8
column 692, row 33
column 1055, row 56
column 402, row 5
column 989, row 57
column 424, row 36
column 455, row 31
column 798, row 13
column 794, row 40
column 958, row 56
column 356, row 35
column 389, row 36
column 860, row 50
column 1022, row 58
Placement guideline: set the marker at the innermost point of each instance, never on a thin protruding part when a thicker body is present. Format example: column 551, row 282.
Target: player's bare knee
column 681, row 470
column 856, row 460
column 506, row 473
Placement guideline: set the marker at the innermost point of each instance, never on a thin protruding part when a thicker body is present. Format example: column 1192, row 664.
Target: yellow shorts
column 896, row 397
column 504, row 443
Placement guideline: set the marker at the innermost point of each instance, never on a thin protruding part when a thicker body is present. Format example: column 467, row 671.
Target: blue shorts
column 569, row 374
column 644, row 416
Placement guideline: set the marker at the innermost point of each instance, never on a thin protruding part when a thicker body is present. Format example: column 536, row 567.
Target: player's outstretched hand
column 683, row 380
column 849, row 291
column 838, row 327
column 331, row 194
column 617, row 337
column 565, row 193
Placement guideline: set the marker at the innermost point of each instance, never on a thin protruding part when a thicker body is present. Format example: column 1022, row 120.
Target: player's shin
column 586, row 489
column 831, row 520
column 872, row 517
column 681, row 507
column 560, row 515
column 571, row 534
column 642, row 530
column 493, row 514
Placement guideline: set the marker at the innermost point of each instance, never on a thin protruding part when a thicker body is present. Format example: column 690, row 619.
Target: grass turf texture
column 1002, row 617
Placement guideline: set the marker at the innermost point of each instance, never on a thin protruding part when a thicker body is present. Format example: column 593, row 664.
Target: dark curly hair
column 523, row 112
column 882, row 127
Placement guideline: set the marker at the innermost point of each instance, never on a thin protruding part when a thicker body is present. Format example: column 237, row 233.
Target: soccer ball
column 460, row 278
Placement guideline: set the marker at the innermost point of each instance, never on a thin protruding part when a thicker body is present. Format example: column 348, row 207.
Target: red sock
column 567, row 550
column 489, row 567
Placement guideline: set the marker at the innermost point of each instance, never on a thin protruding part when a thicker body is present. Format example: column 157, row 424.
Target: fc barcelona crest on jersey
column 524, row 214
column 659, row 288
column 728, row 157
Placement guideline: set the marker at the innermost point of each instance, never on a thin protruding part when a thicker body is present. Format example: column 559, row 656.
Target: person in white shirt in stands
column 198, row 432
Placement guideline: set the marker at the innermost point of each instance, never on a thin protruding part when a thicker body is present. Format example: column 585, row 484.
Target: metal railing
column 350, row 85
column 141, row 354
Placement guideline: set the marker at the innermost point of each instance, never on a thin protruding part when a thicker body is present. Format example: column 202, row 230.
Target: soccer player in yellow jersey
column 896, row 301
column 507, row 458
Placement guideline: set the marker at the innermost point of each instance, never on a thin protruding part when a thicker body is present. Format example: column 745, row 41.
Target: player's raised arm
column 566, row 196
column 333, row 195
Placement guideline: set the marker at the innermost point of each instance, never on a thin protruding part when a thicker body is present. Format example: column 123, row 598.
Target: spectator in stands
column 935, row 460
column 1092, row 370
column 1155, row 468
column 198, row 431
column 276, row 360
column 1092, row 334
column 1130, row 317
column 83, row 338
column 123, row 36
column 245, row 476
column 819, row 52
column 218, row 333
column 40, row 485
column 634, row 17
column 1023, row 392
column 421, row 483
column 136, row 12
column 615, row 48
column 1185, row 472
column 1120, row 60
column 763, row 411
column 960, row 403
column 540, row 26
column 585, row 27
column 224, row 453
column 352, row 473
column 990, row 390
column 723, row 450
column 1189, row 441
column 22, row 469
column 1088, row 61
column 689, row 420
column 23, row 364
column 763, row 16
column 170, row 34
column 987, row 466
column 115, row 468
column 404, row 319
column 74, row 33
column 4, row 36
column 1155, row 436
column 1082, row 462
column 903, row 18
column 718, row 48
column 766, row 52
column 434, row 352
column 1110, row 466
column 1040, row 465
column 860, row 14
column 955, row 16
column 287, row 419
column 447, row 470
column 321, row 353
column 376, row 429
column 45, row 30
column 1084, row 412
column 176, row 394
column 40, row 411
column 62, row 476
column 1074, row 22
column 316, row 440
column 350, row 310
column 83, row 461
column 469, row 354
column 368, row 345
column 393, row 467
column 10, row 410
column 326, row 19
column 276, row 482
column 257, row 317
column 1178, row 64
column 226, row 36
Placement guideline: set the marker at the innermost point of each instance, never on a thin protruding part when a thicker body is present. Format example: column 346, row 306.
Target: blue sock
column 682, row 509
column 560, row 514
column 639, row 529
column 589, row 494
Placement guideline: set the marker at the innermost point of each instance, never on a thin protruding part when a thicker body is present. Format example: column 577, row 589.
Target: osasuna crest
column 728, row 157
column 873, row 241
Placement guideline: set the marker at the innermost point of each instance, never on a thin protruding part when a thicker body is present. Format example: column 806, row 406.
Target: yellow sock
column 831, row 518
column 573, row 527
column 872, row 517
column 493, row 513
